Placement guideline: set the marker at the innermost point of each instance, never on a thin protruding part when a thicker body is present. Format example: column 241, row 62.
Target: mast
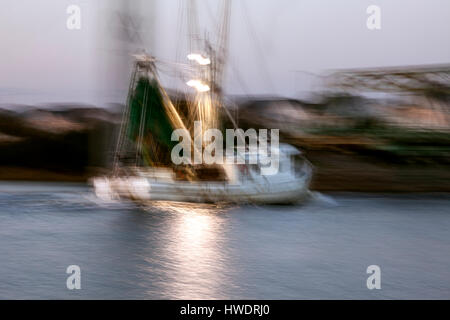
column 141, row 109
column 221, row 53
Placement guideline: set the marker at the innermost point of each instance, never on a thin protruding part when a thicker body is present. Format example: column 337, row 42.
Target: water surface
column 319, row 250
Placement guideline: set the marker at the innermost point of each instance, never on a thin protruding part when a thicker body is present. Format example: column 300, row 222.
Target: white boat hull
column 142, row 189
column 283, row 192
column 287, row 186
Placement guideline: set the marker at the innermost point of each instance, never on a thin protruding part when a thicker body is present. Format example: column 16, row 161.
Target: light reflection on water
column 176, row 250
column 197, row 250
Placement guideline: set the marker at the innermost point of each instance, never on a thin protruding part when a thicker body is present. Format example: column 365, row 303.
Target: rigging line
column 180, row 22
column 235, row 124
column 230, row 61
column 179, row 68
column 124, row 121
column 223, row 7
column 224, row 31
column 254, row 36
column 150, row 109
column 169, row 62
column 210, row 15
column 141, row 124
column 129, row 25
column 214, row 22
column 174, row 117
column 193, row 25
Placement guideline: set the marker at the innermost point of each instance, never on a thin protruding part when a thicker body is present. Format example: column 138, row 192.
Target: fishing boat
column 289, row 185
column 144, row 169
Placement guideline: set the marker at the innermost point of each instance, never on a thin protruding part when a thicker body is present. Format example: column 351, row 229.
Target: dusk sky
column 43, row 61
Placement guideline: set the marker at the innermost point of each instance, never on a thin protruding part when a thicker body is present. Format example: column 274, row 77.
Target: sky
column 276, row 47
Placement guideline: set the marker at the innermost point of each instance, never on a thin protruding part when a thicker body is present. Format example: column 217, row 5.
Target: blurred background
column 369, row 107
